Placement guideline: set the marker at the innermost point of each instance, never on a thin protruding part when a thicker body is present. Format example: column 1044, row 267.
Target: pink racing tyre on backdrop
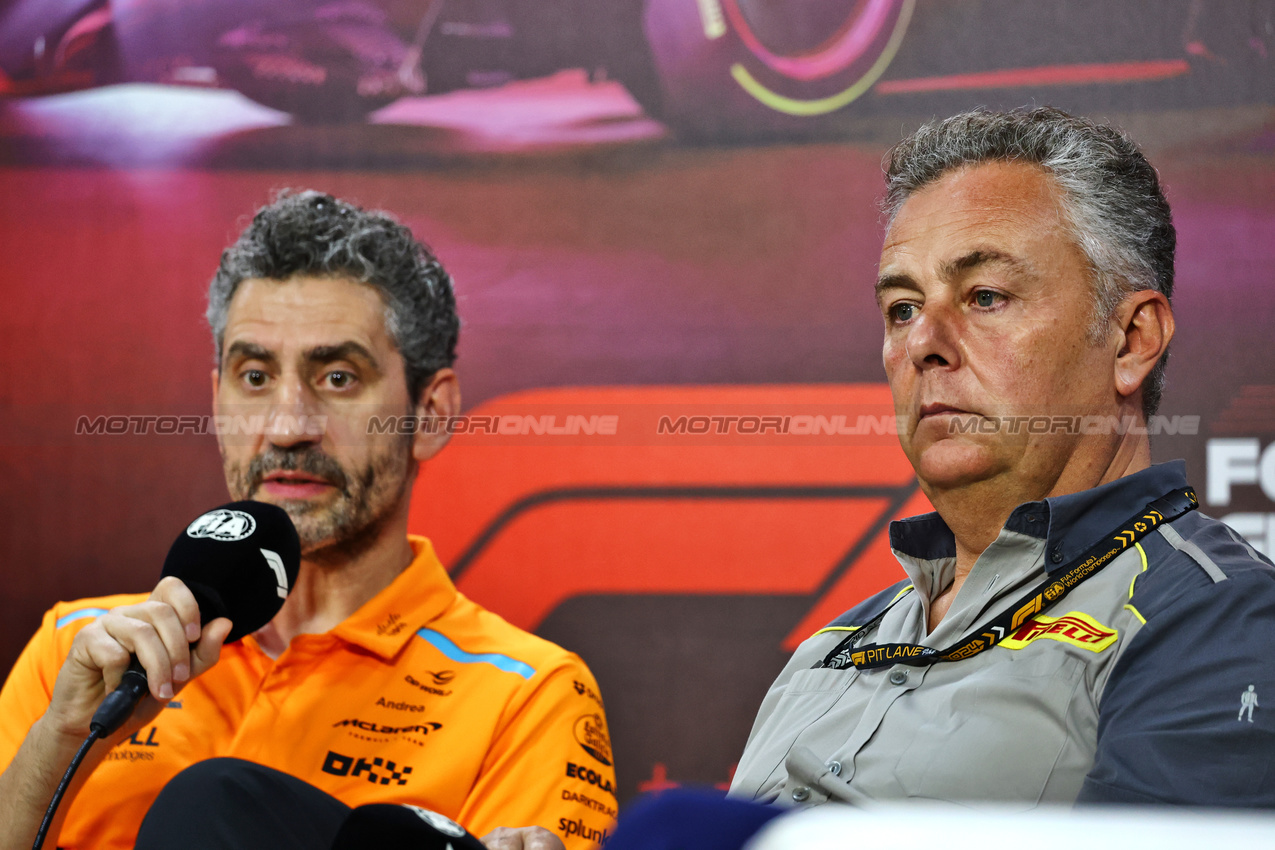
column 712, row 70
column 758, row 68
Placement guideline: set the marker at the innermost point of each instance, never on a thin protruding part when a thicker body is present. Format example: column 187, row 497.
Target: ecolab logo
column 591, row 776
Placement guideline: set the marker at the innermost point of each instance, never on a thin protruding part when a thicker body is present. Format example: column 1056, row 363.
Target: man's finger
column 502, row 838
column 172, row 632
column 523, row 838
column 206, row 652
column 141, row 639
column 173, row 591
column 101, row 655
column 541, row 840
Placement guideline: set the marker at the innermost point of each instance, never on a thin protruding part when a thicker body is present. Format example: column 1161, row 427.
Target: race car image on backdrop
column 710, row 69
column 662, row 211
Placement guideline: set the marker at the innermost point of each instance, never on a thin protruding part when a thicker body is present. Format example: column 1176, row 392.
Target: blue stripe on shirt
column 502, row 662
column 78, row 615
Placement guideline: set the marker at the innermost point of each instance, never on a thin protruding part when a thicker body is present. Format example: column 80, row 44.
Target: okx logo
column 342, row 765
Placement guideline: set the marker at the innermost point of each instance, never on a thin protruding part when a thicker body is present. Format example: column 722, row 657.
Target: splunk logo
column 578, row 827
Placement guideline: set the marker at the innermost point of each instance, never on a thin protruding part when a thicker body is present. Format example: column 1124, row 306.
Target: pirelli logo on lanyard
column 1076, row 628
column 1023, row 623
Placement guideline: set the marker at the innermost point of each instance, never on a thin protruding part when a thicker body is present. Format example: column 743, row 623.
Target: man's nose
column 293, row 415
column 932, row 338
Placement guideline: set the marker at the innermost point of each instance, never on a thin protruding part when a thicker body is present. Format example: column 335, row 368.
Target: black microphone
column 239, row 560
column 388, row 826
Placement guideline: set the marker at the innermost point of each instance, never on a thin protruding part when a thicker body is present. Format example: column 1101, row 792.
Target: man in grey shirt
column 1070, row 628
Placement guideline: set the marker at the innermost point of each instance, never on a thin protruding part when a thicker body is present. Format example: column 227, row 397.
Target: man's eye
column 903, row 312
column 254, row 378
column 339, row 380
column 986, row 298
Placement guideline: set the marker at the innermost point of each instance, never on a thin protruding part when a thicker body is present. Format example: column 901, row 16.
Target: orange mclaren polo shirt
column 420, row 697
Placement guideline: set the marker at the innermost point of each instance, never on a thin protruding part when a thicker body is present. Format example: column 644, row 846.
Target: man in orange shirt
column 377, row 681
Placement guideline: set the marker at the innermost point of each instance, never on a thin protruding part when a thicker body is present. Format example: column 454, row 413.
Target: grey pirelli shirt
column 1153, row 681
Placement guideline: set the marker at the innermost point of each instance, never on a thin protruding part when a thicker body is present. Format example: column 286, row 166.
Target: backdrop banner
column 677, row 456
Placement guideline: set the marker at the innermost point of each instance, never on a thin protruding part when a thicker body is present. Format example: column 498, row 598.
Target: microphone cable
column 219, row 557
column 94, row 733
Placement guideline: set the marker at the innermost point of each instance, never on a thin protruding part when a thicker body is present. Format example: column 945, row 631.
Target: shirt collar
column 418, row 595
column 1068, row 524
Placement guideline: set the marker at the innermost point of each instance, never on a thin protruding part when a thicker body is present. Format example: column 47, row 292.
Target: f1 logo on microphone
column 280, row 574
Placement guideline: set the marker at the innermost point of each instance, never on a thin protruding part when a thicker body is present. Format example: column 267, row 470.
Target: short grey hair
column 310, row 233
column 1111, row 198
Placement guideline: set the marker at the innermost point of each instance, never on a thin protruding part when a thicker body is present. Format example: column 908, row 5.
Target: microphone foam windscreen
column 239, row 560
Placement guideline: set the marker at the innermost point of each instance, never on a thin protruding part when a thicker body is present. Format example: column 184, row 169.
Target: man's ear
column 1145, row 323
column 440, row 398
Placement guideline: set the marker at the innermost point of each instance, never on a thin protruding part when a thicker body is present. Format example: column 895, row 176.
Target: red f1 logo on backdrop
column 670, row 535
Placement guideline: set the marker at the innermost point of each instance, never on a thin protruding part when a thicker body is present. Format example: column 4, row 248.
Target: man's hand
column 165, row 635
column 160, row 632
column 523, row 838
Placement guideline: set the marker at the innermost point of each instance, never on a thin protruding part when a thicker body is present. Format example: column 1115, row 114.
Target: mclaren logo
column 223, row 524
column 380, row 729
column 1074, row 628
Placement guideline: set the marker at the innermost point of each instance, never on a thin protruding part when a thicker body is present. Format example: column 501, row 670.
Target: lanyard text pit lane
column 848, row 653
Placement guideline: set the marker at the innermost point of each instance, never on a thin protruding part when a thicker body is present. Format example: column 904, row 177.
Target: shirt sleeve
column 28, row 688
column 550, row 764
column 1173, row 724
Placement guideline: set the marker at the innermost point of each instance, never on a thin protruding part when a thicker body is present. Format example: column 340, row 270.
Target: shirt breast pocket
column 820, row 680
column 806, row 697
column 993, row 734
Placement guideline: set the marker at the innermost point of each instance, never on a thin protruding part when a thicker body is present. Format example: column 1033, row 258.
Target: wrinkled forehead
column 1014, row 209
column 996, row 189
column 301, row 312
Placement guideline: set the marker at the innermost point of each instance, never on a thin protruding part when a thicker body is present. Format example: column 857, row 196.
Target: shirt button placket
column 898, row 677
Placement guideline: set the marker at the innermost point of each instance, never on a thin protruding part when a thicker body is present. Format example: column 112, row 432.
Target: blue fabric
column 689, row 819
column 81, row 614
column 501, row 662
column 1170, row 728
column 1078, row 520
column 870, row 607
column 1074, row 522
